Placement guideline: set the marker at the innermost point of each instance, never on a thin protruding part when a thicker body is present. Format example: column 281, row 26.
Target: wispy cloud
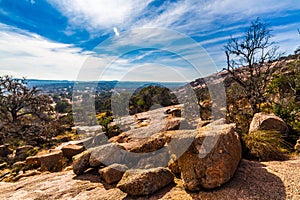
column 100, row 14
column 27, row 54
column 209, row 23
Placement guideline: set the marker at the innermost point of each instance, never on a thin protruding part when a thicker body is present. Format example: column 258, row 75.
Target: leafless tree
column 250, row 61
column 22, row 108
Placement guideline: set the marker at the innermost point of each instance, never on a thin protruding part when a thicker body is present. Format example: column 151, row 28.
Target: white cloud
column 192, row 16
column 26, row 54
column 100, row 14
column 116, row 31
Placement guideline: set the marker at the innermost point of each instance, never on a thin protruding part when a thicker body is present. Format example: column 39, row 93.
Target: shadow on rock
column 93, row 177
column 251, row 181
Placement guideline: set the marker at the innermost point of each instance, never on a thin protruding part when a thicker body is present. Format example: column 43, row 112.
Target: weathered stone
column 22, row 152
column 4, row 150
column 145, row 145
column 71, row 150
column 155, row 159
column 263, row 121
column 33, row 162
column 51, row 162
column 212, row 159
column 112, row 173
column 99, row 139
column 121, row 138
column 297, row 146
column 146, row 181
column 81, row 162
column 175, row 124
column 107, row 154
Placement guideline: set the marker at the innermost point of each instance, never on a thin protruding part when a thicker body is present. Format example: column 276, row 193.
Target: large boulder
column 263, row 121
column 81, row 162
column 112, row 173
column 212, row 158
column 145, row 181
column 71, row 150
column 52, row 162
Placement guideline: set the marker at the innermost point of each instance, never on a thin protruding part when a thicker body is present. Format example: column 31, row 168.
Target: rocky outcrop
column 263, row 121
column 253, row 180
column 71, row 150
column 112, row 173
column 81, row 162
column 52, row 162
column 145, row 182
column 212, row 159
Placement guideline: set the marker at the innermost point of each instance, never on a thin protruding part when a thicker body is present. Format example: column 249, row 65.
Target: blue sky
column 58, row 39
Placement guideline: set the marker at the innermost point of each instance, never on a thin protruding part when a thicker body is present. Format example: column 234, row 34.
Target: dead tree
column 251, row 60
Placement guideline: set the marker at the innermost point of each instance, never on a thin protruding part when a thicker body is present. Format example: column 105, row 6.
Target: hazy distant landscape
column 60, row 85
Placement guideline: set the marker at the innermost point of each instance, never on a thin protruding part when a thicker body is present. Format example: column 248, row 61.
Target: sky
column 132, row 40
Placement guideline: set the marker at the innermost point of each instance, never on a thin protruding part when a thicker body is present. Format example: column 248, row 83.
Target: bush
column 104, row 121
column 265, row 146
column 63, row 106
column 144, row 98
column 284, row 94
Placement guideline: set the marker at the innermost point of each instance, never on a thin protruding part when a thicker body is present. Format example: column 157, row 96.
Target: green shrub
column 144, row 98
column 32, row 152
column 104, row 121
column 265, row 145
